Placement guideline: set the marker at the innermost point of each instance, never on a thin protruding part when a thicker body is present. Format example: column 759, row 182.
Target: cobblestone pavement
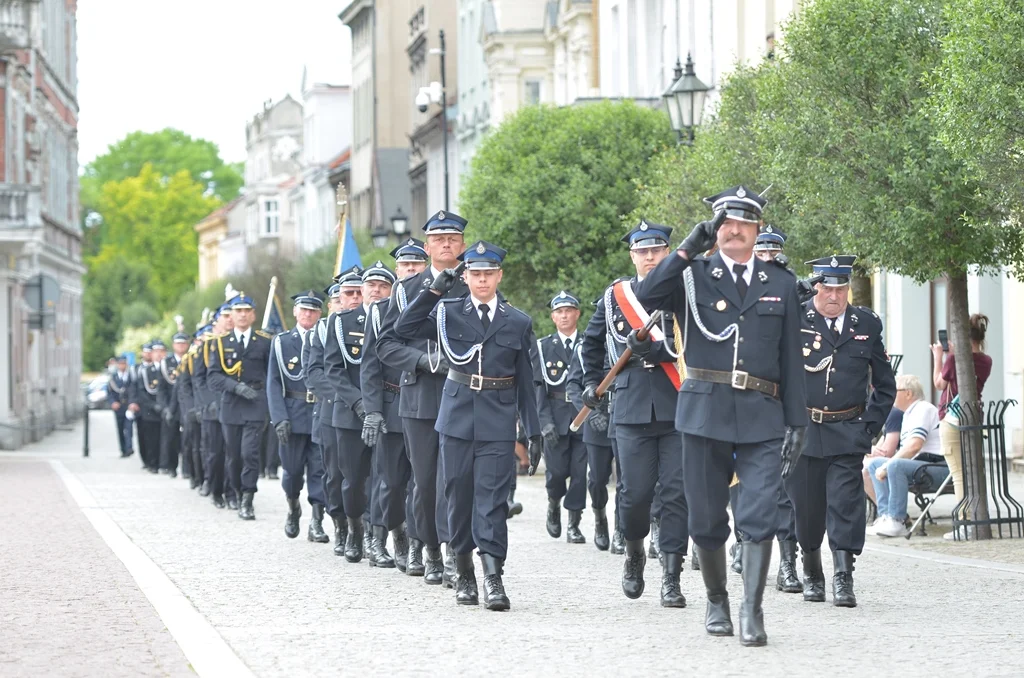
column 291, row 608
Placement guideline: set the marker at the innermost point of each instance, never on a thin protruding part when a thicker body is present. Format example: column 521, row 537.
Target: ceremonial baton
column 619, row 365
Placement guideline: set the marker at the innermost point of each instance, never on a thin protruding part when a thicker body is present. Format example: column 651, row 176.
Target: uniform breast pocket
column 695, row 401
column 769, row 319
column 511, row 342
column 860, row 353
column 507, row 396
column 451, row 388
column 622, row 381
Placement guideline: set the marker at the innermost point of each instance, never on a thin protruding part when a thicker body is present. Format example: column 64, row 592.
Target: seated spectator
column 919, row 436
column 886, row 447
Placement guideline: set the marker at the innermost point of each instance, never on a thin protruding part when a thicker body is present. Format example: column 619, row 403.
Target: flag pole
column 342, row 202
column 270, row 300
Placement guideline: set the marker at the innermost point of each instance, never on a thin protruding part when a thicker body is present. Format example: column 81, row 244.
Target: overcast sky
column 202, row 66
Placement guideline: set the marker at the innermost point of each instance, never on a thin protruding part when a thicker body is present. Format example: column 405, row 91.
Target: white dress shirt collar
column 729, row 263
column 247, row 334
column 563, row 337
column 491, row 305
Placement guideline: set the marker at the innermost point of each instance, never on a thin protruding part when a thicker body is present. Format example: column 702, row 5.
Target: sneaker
column 959, row 533
column 891, row 528
column 870, row 529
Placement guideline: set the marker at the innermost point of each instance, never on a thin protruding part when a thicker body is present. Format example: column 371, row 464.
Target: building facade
column 40, row 234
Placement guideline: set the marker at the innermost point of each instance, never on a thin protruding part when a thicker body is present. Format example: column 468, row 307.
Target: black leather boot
column 378, row 555
column 414, row 566
column 671, row 593
column 465, row 586
column 433, row 566
column 245, row 511
column 633, row 569
column 554, row 522
column 218, row 500
column 694, row 561
column 756, row 558
column 494, row 590
column 354, row 542
column 618, row 546
column 814, row 578
column 736, row 552
column 232, row 501
column 514, row 507
column 654, row 550
column 717, row 618
column 194, row 482
column 316, row 533
column 787, row 580
column 600, row 529
column 291, row 521
column 340, row 535
column 367, row 537
column 572, row 530
column 401, row 542
column 450, row 570
column 842, row 579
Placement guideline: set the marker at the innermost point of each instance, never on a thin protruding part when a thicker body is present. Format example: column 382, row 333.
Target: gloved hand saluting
column 703, row 236
column 446, row 280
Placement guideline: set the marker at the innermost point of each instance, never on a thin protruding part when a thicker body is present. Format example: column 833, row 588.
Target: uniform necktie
column 241, row 339
column 485, row 316
column 741, row 282
column 568, row 344
column 833, row 324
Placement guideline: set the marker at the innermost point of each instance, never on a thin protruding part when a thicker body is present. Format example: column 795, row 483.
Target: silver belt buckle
column 817, row 416
column 476, row 382
column 567, row 398
column 310, row 397
column 739, row 380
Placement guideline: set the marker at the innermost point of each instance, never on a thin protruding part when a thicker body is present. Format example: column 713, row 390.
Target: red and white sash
column 637, row 316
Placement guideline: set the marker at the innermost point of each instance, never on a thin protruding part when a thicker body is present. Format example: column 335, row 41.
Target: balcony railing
column 20, row 206
column 14, row 24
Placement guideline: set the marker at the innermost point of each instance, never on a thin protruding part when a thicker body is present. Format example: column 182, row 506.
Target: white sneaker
column 959, row 533
column 891, row 528
column 870, row 529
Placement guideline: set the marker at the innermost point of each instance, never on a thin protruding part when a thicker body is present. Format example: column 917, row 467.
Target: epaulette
column 265, row 335
column 867, row 310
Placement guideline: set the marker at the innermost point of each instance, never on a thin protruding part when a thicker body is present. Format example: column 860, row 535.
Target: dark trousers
column 828, row 494
column 170, row 444
column 124, row 431
column 270, row 453
column 650, row 458
column 302, row 455
column 149, row 442
column 242, row 455
column 356, row 459
column 372, row 514
column 213, row 457
column 394, row 473
column 708, row 468
column 429, row 500
column 599, row 463
column 194, row 446
column 564, row 462
column 477, row 477
column 333, row 476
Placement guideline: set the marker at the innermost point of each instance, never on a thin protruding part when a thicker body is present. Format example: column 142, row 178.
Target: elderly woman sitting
column 919, row 435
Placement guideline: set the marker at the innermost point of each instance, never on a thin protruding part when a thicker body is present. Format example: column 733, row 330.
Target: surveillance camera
column 422, row 101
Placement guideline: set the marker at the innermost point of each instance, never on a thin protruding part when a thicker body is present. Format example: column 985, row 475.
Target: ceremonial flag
column 273, row 315
column 348, row 250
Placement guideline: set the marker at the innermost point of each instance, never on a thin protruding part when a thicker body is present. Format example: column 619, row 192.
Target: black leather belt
column 479, row 383
column 305, row 396
column 737, row 379
column 392, row 388
column 258, row 385
column 826, row 417
column 561, row 396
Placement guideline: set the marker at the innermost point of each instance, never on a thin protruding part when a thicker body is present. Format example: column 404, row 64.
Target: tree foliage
column 551, row 185
column 111, row 278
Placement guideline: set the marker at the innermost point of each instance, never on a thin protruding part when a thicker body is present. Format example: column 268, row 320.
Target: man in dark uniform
column 843, row 353
column 237, row 371
column 565, row 455
column 291, row 415
column 423, row 377
column 741, row 408
column 190, row 416
column 119, row 397
column 170, row 434
column 486, row 342
column 645, row 395
column 209, row 402
column 146, row 408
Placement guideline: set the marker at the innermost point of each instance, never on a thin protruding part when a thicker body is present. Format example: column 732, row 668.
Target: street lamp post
column 399, row 223
column 444, row 116
column 379, row 236
column 684, row 100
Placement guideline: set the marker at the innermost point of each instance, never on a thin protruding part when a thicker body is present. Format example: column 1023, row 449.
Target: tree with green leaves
column 112, row 277
column 551, row 185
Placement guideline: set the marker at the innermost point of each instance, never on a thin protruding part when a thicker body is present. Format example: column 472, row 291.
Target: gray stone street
column 68, row 606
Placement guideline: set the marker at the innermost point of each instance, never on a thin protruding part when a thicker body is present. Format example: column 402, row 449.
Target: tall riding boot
column 494, row 590
column 378, row 555
column 206, row 488
column 340, row 535
column 671, row 593
column 572, row 530
column 633, row 569
column 514, row 507
column 842, row 579
column 787, row 580
column 291, row 521
column 756, row 557
column 450, row 570
column 433, row 566
column 414, row 567
column 694, row 560
column 600, row 529
column 554, row 522
column 367, row 537
column 316, row 533
column 814, row 578
column 354, row 542
column 618, row 546
column 465, row 587
column 736, row 552
column 245, row 511
column 717, row 618
column 232, row 500
column 401, row 542
column 654, row 550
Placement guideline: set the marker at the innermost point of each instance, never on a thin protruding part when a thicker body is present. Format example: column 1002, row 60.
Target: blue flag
column 274, row 320
column 348, row 250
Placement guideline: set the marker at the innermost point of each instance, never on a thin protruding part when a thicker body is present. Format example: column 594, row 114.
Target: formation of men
column 701, row 378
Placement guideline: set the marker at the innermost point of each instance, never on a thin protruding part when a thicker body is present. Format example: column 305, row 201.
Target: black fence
column 895, row 359
column 983, row 432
